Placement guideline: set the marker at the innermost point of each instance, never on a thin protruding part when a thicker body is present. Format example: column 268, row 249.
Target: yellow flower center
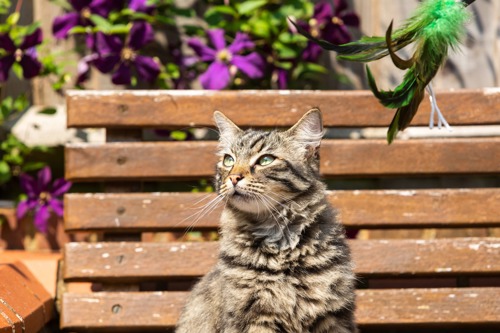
column 44, row 197
column 337, row 20
column 18, row 54
column 85, row 13
column 127, row 54
column 224, row 55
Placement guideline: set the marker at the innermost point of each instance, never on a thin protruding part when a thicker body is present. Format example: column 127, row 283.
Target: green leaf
column 5, row 173
column 17, row 69
column 48, row 111
column 120, row 29
column 260, row 28
column 33, row 166
column 217, row 15
column 100, row 22
column 250, row 6
column 13, row 18
column 315, row 68
column 78, row 30
column 285, row 51
column 178, row 135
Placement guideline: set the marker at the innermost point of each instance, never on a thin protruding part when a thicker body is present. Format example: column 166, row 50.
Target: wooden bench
column 141, row 283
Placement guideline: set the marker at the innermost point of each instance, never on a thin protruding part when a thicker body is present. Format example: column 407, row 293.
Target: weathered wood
column 160, row 160
column 377, row 308
column 373, row 258
column 361, row 209
column 194, row 108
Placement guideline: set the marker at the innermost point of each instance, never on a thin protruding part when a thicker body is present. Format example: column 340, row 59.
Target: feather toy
column 436, row 27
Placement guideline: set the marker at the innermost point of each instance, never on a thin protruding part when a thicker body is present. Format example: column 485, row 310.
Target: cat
column 284, row 265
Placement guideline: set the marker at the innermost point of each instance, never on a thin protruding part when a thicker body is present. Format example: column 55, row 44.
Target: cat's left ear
column 227, row 129
column 309, row 129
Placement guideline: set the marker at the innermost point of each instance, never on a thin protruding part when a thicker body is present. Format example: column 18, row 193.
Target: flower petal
column 41, row 218
column 282, row 79
column 140, row 34
column 252, row 64
column 216, row 36
column 32, row 40
column 101, row 7
column 60, row 186
column 323, row 12
column 204, row 52
column 337, row 34
column 29, row 185
column 24, row 206
column 44, row 177
column 108, row 44
column 83, row 68
column 241, row 41
column 7, row 43
column 80, row 4
column 312, row 52
column 147, row 68
column 63, row 24
column 122, row 75
column 57, row 207
column 137, row 5
column 350, row 19
column 5, row 65
column 106, row 64
column 339, row 6
column 216, row 77
column 30, row 64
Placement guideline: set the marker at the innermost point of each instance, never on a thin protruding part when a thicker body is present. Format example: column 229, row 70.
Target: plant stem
column 19, row 4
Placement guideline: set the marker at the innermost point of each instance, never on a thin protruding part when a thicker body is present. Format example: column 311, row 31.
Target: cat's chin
column 246, row 203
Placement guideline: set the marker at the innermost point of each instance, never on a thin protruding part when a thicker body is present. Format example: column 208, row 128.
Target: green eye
column 228, row 161
column 266, row 160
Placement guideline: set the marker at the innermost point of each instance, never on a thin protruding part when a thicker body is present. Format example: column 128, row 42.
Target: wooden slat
column 264, row 108
column 375, row 308
column 360, row 209
column 373, row 258
column 157, row 160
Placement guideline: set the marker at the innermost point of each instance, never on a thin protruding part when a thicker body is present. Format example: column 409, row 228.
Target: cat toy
column 435, row 27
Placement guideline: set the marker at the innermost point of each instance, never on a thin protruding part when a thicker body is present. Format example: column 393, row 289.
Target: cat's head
column 260, row 170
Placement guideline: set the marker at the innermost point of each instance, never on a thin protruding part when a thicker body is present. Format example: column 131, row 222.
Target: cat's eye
column 228, row 161
column 266, row 160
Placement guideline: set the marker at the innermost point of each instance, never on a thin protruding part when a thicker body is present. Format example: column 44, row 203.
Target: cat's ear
column 309, row 129
column 227, row 129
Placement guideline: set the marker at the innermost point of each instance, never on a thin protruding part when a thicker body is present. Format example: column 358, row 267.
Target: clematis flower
column 120, row 58
column 81, row 16
column 329, row 24
column 141, row 6
column 42, row 197
column 25, row 54
column 224, row 61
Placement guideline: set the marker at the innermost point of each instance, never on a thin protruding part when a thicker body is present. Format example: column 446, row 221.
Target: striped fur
column 284, row 264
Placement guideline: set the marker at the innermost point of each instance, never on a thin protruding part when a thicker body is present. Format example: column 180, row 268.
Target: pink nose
column 235, row 178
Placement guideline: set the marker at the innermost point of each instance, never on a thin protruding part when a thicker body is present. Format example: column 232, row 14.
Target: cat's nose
column 235, row 178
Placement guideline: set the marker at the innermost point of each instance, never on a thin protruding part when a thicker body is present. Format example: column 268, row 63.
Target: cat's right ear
column 227, row 129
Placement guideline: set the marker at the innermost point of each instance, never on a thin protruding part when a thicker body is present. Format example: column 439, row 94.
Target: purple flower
column 81, row 16
column 120, row 58
column 25, row 54
column 141, row 6
column 330, row 25
column 224, row 61
column 42, row 197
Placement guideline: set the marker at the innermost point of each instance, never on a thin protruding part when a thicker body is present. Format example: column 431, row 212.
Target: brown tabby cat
column 284, row 265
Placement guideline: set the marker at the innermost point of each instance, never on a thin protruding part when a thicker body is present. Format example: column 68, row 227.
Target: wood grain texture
column 373, row 258
column 194, row 108
column 339, row 158
column 360, row 209
column 377, row 308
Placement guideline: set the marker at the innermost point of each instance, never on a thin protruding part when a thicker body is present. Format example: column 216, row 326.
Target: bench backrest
column 141, row 281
